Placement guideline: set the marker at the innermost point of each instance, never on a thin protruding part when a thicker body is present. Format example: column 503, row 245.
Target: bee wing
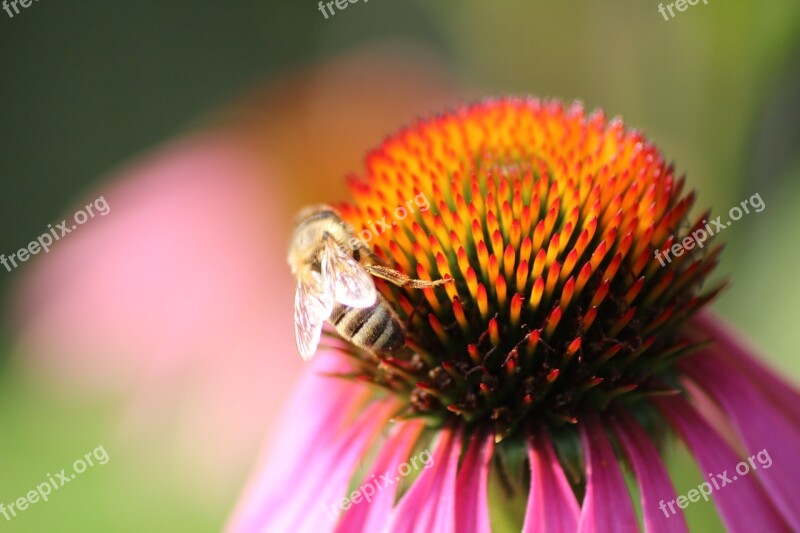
column 313, row 304
column 353, row 286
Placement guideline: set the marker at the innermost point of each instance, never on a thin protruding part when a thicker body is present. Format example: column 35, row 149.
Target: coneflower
column 562, row 356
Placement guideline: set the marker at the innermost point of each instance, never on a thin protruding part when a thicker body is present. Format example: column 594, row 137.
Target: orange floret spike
column 501, row 291
column 461, row 317
column 569, row 264
column 483, row 301
column 516, row 309
column 538, row 235
column 583, row 277
column 514, row 235
column 567, row 292
column 539, row 263
column 483, row 259
column 552, row 322
column 522, row 275
column 525, row 249
column 552, row 279
column 494, row 332
column 536, row 293
column 509, row 262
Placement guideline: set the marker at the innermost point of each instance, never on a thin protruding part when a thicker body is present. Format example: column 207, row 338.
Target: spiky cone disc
column 548, row 221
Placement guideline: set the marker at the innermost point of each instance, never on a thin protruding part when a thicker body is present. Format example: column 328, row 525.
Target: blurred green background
column 87, row 86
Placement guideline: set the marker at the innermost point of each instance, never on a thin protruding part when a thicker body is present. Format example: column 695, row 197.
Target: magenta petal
column 429, row 504
column 761, row 425
column 373, row 510
column 607, row 505
column 316, row 455
column 552, row 506
column 308, row 502
column 652, row 477
column 317, row 411
column 730, row 345
column 742, row 504
column 472, row 500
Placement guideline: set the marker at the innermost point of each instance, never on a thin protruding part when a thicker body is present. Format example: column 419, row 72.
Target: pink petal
column 742, row 503
column 713, row 413
column 372, row 515
column 652, row 477
column 738, row 352
column 472, row 503
column 316, row 454
column 551, row 502
column 429, row 504
column 762, row 426
column 310, row 500
column 607, row 505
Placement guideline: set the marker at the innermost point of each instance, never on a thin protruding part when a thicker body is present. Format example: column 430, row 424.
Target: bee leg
column 401, row 280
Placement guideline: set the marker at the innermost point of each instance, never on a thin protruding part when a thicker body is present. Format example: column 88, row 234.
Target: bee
column 334, row 272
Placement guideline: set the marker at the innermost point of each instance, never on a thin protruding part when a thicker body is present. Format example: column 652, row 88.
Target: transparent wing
column 352, row 284
column 313, row 304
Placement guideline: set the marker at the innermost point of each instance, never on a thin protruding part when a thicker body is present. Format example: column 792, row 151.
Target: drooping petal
column 742, row 503
column 552, row 506
column 429, row 504
column 652, row 477
column 313, row 502
column 712, row 412
column 737, row 351
column 768, row 435
column 607, row 504
column 316, row 457
column 373, row 510
column 472, row 501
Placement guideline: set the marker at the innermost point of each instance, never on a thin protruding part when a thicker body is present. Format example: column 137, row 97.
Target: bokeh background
column 163, row 330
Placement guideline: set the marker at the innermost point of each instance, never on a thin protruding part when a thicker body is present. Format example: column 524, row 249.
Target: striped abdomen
column 376, row 328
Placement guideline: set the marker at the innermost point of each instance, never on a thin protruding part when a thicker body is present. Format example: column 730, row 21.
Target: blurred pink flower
column 179, row 301
column 174, row 296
